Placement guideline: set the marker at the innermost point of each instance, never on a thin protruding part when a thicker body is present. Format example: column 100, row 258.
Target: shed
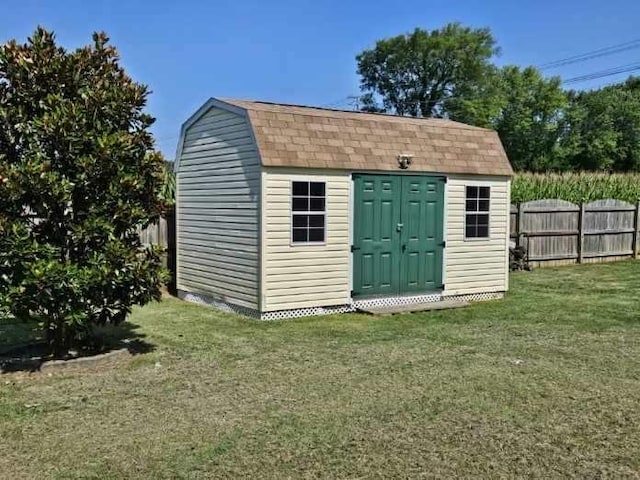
column 287, row 210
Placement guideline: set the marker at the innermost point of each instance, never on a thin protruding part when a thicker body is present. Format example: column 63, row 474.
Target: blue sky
column 303, row 51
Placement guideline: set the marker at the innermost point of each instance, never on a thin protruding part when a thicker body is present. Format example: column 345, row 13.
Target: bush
column 78, row 176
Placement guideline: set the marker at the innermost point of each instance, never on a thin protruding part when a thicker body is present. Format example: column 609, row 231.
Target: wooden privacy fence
column 558, row 232
column 155, row 234
column 554, row 232
column 163, row 234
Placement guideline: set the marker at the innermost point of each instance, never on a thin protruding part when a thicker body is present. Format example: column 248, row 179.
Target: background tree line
column 450, row 73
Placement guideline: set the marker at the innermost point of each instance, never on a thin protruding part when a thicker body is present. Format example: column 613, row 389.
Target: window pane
column 301, row 220
column 300, row 204
column 317, row 189
column 316, row 221
column 482, row 219
column 316, row 234
column 470, row 231
column 317, row 204
column 300, row 188
column 477, row 200
column 471, row 205
column 300, row 235
column 308, row 197
column 472, row 192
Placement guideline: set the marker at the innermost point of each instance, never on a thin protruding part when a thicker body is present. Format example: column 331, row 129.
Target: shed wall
column 477, row 265
column 301, row 276
column 217, row 219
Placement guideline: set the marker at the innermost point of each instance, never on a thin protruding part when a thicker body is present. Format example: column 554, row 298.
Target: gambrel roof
column 311, row 137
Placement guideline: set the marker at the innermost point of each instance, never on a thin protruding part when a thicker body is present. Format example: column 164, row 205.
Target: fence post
column 519, row 225
column 170, row 217
column 580, row 246
column 636, row 214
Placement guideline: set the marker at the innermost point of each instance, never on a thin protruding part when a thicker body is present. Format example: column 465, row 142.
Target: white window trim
column 476, row 212
column 292, row 213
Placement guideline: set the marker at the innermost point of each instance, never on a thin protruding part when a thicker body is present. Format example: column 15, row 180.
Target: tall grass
column 575, row 187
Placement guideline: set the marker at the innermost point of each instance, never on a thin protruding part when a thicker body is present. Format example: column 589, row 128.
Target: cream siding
column 476, row 265
column 301, row 276
column 218, row 182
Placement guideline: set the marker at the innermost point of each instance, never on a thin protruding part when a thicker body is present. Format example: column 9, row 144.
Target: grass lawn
column 543, row 384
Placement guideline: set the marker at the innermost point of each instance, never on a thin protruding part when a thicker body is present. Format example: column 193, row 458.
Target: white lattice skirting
column 315, row 311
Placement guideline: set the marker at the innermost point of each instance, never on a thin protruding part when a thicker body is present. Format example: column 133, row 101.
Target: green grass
column 545, row 384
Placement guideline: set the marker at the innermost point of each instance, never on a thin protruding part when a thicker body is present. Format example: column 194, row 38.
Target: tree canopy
column 450, row 73
column 78, row 176
column 601, row 128
column 414, row 74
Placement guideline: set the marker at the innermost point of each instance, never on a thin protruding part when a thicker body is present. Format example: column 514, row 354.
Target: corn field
column 575, row 187
column 168, row 192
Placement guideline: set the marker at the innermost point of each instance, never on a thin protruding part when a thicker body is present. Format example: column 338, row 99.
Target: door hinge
column 442, row 287
column 354, row 248
column 445, row 179
column 351, row 293
column 443, row 244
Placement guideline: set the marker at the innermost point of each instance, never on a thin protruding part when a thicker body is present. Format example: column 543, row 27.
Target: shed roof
column 311, row 137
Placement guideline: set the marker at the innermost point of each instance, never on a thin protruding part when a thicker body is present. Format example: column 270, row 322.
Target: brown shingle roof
column 297, row 136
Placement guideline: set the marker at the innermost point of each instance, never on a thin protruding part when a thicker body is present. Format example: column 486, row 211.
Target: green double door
column 398, row 234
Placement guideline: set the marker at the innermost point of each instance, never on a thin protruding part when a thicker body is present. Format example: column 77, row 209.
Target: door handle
column 399, row 227
column 404, row 247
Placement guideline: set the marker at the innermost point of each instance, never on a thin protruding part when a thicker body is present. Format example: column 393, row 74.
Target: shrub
column 78, row 175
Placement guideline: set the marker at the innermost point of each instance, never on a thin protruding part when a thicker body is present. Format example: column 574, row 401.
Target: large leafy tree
column 601, row 128
column 531, row 109
column 415, row 74
column 78, row 176
column 449, row 73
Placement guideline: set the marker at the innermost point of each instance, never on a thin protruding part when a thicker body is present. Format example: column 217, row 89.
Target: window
column 308, row 212
column 477, row 212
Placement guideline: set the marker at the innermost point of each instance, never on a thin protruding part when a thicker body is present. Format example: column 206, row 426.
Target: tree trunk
column 58, row 339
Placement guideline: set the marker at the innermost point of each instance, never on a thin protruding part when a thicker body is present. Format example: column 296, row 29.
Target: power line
column 350, row 101
column 601, row 52
column 632, row 67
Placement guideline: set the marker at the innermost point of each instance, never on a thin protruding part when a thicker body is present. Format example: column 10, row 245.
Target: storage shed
column 286, row 210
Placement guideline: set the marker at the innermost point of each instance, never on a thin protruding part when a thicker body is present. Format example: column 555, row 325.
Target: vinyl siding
column 476, row 265
column 300, row 276
column 218, row 183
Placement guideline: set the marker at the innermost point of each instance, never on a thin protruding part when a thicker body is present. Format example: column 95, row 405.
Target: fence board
column 155, row 234
column 608, row 231
column 556, row 231
column 163, row 234
column 513, row 221
column 551, row 229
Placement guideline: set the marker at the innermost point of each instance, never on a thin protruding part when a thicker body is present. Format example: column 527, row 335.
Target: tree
column 601, row 128
column 415, row 74
column 525, row 108
column 528, row 121
column 78, row 175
